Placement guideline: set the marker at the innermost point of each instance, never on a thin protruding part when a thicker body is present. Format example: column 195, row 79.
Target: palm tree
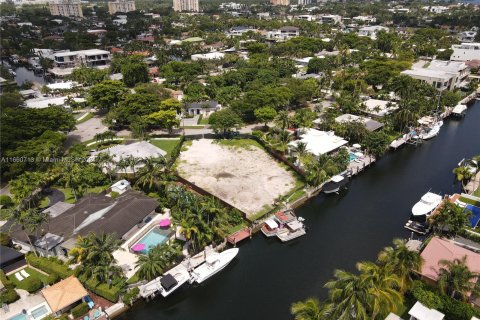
column 71, row 177
column 463, row 174
column 401, row 261
column 105, row 161
column 300, row 149
column 151, row 265
column 153, row 172
column 123, row 164
column 316, row 175
column 450, row 218
column 283, row 119
column 456, row 279
column 30, row 220
column 133, row 162
column 95, row 249
column 310, row 309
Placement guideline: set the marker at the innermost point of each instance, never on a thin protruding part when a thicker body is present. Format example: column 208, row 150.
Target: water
column 23, row 74
column 267, row 276
column 40, row 312
column 19, row 316
column 152, row 238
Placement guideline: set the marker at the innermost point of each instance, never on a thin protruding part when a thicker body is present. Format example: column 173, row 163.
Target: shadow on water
column 343, row 229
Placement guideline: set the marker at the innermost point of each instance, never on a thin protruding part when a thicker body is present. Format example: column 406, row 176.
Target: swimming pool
column 353, row 156
column 40, row 312
column 153, row 238
column 19, row 316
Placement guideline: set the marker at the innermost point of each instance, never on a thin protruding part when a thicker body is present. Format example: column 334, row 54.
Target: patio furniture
column 24, row 273
column 97, row 314
column 18, row 276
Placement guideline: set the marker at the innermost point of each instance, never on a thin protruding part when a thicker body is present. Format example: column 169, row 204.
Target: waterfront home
column 64, row 295
column 45, row 102
column 379, row 108
column 370, row 124
column 11, row 259
column 73, row 59
column 318, row 142
column 442, row 75
column 203, row 107
column 140, row 150
column 466, row 52
column 96, row 213
column 208, row 56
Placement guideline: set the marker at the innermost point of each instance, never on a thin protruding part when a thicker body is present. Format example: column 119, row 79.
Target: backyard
column 166, row 145
column 237, row 171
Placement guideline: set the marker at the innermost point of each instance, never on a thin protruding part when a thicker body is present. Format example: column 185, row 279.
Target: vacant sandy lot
column 247, row 178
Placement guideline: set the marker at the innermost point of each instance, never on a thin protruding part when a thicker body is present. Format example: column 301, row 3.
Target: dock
column 358, row 165
column 240, row 235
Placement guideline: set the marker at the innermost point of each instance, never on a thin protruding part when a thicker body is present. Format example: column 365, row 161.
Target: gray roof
column 48, row 241
column 203, row 104
column 373, row 125
column 58, row 208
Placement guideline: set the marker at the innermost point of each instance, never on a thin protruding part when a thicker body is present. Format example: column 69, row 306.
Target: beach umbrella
column 164, row 223
column 139, row 247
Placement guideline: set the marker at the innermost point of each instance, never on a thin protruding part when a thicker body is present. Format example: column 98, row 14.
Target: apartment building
column 121, row 6
column 66, row 8
column 186, row 6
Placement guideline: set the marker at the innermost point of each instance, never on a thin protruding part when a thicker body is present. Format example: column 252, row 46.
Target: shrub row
column 80, row 310
column 8, row 296
column 31, row 284
column 49, row 265
column 111, row 293
column 200, row 119
column 130, row 297
column 6, row 283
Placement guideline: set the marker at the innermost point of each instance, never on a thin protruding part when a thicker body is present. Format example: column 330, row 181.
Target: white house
column 379, row 108
column 284, row 33
column 466, row 52
column 467, row 36
column 318, row 142
column 441, row 74
column 88, row 58
column 203, row 107
column 364, row 19
column 208, row 56
column 239, row 31
column 330, row 19
column 420, row 312
column 436, row 9
column 121, row 186
column 370, row 124
column 41, row 103
column 371, row 31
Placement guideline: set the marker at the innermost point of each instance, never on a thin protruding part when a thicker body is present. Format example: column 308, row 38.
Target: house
column 284, row 33
column 371, row 31
column 370, row 124
column 208, row 56
column 330, row 19
column 95, row 213
column 88, row 58
column 11, row 259
column 421, row 312
column 121, row 186
column 379, row 108
column 364, row 19
column 64, row 295
column 467, row 36
column 239, row 31
column 440, row 249
column 138, row 150
column 466, row 52
column 203, row 107
column 436, row 9
column 318, row 142
column 443, row 75
column 45, row 102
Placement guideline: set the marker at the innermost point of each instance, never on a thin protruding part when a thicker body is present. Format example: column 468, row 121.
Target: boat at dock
column 292, row 230
column 166, row 284
column 459, row 110
column 335, row 184
column 214, row 263
column 427, row 204
column 418, row 227
column 270, row 228
column 431, row 132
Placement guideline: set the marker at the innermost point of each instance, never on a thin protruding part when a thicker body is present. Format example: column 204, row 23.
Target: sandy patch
column 247, row 179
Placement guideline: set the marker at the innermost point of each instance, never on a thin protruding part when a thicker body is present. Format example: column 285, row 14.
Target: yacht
column 429, row 133
column 335, row 184
column 213, row 264
column 427, row 204
column 293, row 229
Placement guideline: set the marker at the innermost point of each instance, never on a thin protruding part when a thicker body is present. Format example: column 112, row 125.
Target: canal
column 267, row 276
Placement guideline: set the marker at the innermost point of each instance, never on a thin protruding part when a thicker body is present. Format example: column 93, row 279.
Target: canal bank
column 268, row 276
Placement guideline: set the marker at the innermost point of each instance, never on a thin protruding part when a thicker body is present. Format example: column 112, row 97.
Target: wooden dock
column 240, row 235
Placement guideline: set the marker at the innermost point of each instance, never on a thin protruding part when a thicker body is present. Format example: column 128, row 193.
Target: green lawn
column 204, row 121
column 477, row 192
column 166, row 144
column 86, row 118
column 239, row 143
column 69, row 198
column 32, row 273
column 133, row 279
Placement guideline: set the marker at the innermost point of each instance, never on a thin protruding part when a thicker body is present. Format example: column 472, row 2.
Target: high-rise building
column 304, row 2
column 186, row 5
column 66, row 8
column 121, row 6
column 280, row 2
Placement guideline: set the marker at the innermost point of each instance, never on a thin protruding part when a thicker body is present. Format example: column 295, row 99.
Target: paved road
column 86, row 131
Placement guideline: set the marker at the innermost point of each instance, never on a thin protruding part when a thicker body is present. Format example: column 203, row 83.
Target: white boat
column 429, row 133
column 427, row 204
column 335, row 184
column 270, row 228
column 294, row 229
column 213, row 264
column 459, row 110
column 166, row 284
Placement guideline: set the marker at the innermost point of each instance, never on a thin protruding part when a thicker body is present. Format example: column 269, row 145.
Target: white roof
column 379, row 108
column 295, row 225
column 81, row 52
column 428, row 73
column 41, row 103
column 337, row 178
column 393, row 316
column 122, row 184
column 420, row 312
column 447, row 66
column 62, row 85
column 271, row 224
column 373, row 28
column 320, row 142
column 459, row 108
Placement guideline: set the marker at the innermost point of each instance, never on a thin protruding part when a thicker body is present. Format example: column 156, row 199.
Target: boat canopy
column 271, row 224
column 459, row 108
column 295, row 225
column 168, row 282
column 337, row 178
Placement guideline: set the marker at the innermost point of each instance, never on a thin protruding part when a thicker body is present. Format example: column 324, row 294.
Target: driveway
column 54, row 196
column 86, row 131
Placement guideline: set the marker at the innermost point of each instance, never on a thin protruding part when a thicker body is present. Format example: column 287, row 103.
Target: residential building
column 239, row 31
column 421, row 312
column 11, row 259
column 231, row 6
column 284, row 33
column 66, row 8
column 443, row 75
column 121, row 6
column 379, row 108
column 330, row 19
column 467, row 36
column 304, row 2
column 64, row 295
column 370, row 124
column 186, row 5
column 88, row 58
column 318, row 142
column 399, row 10
column 280, row 2
column 121, row 186
column 466, row 52
column 306, row 17
column 203, row 107
column 436, row 9
column 208, row 56
column 364, row 19
column 371, row 31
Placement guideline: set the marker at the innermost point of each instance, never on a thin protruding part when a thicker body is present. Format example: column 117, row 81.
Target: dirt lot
column 244, row 176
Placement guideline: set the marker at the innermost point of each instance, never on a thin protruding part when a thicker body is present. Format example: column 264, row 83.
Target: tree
column 224, row 121
column 455, row 279
column 152, row 173
column 283, row 119
column 310, row 309
column 134, row 71
column 156, row 261
column 401, row 261
column 164, row 118
column 11, row 100
column 376, row 143
column 106, row 94
column 89, row 76
column 30, row 220
column 463, row 174
column 72, row 178
column 303, row 118
column 265, row 115
column 450, row 218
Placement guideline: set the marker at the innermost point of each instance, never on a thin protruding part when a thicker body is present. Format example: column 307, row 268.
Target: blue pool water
column 352, row 156
column 152, row 239
column 19, row 316
column 39, row 312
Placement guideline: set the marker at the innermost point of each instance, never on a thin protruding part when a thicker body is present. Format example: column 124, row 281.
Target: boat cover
column 271, row 224
column 295, row 225
column 337, row 178
column 168, row 281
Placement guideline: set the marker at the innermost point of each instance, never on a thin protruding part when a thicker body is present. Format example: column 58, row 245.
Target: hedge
column 31, row 284
column 111, row 293
column 80, row 310
column 131, row 296
column 6, row 283
column 5, row 201
column 8, row 296
column 52, row 278
column 49, row 265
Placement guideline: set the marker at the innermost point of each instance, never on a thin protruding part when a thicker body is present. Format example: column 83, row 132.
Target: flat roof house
column 371, row 31
column 284, row 33
column 318, row 142
column 203, row 107
column 11, row 259
column 379, row 108
column 466, row 52
column 370, row 124
column 443, row 75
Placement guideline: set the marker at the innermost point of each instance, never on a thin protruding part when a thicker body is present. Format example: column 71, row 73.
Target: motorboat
column 172, row 281
column 335, row 184
column 459, row 110
column 292, row 230
column 417, row 227
column 213, row 264
column 427, row 204
column 431, row 132
column 270, row 228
